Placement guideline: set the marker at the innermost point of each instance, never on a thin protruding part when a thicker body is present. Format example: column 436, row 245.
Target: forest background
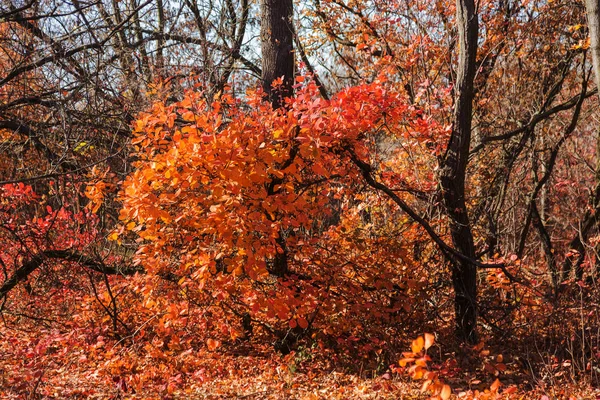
column 269, row 199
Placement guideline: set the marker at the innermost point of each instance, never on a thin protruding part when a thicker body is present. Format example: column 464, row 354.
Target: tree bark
column 593, row 17
column 453, row 174
column 576, row 256
column 277, row 46
column 277, row 38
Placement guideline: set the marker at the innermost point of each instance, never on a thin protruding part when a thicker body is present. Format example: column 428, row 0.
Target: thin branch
column 538, row 117
column 450, row 252
column 38, row 260
column 550, row 167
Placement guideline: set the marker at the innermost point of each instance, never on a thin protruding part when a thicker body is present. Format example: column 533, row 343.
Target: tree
column 593, row 18
column 277, row 79
column 189, row 192
column 277, row 44
column 67, row 100
column 589, row 221
column 453, row 173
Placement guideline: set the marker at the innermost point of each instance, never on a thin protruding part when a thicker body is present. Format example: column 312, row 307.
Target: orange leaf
column 417, row 372
column 446, row 392
column 417, row 344
column 212, row 344
column 422, row 362
column 405, row 361
column 490, row 368
column 429, row 375
column 303, row 323
column 426, row 384
column 320, row 170
column 429, row 339
column 510, row 390
column 495, row 386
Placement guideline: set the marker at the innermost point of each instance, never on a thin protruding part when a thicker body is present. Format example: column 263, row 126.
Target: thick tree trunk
column 277, row 38
column 277, row 44
column 454, row 165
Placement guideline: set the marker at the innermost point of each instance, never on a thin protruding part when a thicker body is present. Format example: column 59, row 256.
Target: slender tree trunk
column 453, row 175
column 277, row 44
column 577, row 246
column 160, row 44
column 593, row 16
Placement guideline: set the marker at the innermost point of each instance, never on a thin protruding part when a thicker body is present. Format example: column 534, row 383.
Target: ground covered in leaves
column 55, row 365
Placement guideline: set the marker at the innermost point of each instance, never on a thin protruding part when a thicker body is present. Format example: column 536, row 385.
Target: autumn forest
column 316, row 199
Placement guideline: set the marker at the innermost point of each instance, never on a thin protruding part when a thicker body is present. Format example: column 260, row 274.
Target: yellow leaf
column 277, row 133
column 80, row 147
column 130, row 226
column 574, row 28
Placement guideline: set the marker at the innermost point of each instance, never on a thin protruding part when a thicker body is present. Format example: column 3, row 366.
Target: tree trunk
column 576, row 256
column 452, row 179
column 276, row 34
column 593, row 16
column 277, row 38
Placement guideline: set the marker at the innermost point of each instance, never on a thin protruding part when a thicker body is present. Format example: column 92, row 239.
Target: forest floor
column 76, row 363
column 48, row 374
column 278, row 385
